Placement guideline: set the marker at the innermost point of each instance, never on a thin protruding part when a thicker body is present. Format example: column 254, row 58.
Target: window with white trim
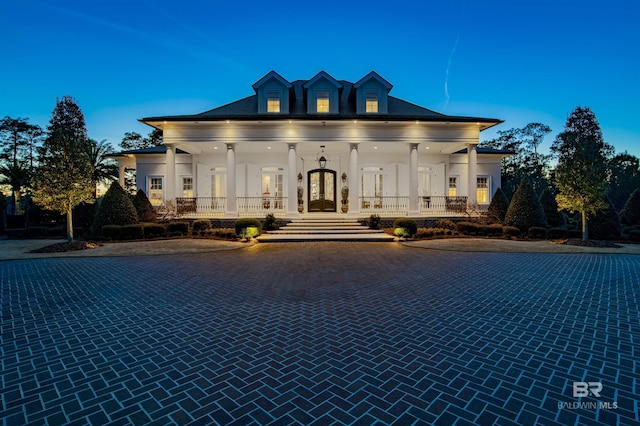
column 219, row 182
column 482, row 191
column 453, row 186
column 272, row 181
column 187, row 186
column 273, row 101
column 371, row 101
column 372, row 181
column 155, row 190
column 322, row 101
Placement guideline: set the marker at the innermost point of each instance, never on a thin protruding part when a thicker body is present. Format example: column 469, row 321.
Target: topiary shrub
column 178, row 228
column 445, row 224
column 409, row 225
column 132, row 232
column 144, row 209
column 154, row 230
column 247, row 226
column 630, row 214
column 374, row 222
column 116, row 209
column 498, row 206
column 557, row 233
column 468, row 228
column 510, row 231
column 537, row 233
column 605, row 225
column 200, row 226
column 554, row 217
column 270, row 223
column 525, row 209
column 492, row 230
column 111, row 232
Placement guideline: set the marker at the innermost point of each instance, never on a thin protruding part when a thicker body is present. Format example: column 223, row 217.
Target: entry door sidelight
column 321, row 190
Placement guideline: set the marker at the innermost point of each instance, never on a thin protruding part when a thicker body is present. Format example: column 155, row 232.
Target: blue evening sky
column 518, row 60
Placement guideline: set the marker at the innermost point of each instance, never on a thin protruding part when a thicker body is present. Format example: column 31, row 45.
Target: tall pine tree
column 64, row 176
column 581, row 174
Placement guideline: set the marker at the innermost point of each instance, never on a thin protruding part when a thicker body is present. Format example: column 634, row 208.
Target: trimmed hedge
column 112, row 232
column 445, row 224
column 154, row 230
column 178, row 228
column 242, row 224
column 409, row 225
column 510, row 231
column 200, row 226
column 132, row 232
column 537, row 233
column 557, row 233
column 634, row 236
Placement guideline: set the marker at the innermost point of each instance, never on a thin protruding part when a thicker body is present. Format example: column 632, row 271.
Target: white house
column 317, row 146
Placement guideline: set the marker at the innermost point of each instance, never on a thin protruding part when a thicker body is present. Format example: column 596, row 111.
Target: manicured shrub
column 242, row 225
column 492, row 230
column 537, row 233
column 154, row 230
column 116, row 209
column 56, row 231
column 498, row 206
column 132, row 232
column 554, row 217
column 200, row 226
column 605, row 225
column 510, row 231
column 178, row 228
column 225, row 233
column 35, row 231
column 630, row 214
column 445, row 224
column 144, row 209
column 525, row 209
column 83, row 216
column 374, row 222
column 468, row 228
column 557, row 233
column 409, row 225
column 634, row 236
column 270, row 223
column 111, row 232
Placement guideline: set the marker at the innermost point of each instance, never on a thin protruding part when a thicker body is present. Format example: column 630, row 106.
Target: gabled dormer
column 372, row 94
column 323, row 94
column 273, row 94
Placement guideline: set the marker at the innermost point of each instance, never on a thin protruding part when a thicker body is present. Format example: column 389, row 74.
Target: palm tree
column 104, row 169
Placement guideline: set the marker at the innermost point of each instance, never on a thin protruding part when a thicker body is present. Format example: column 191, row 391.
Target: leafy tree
column 104, row 169
column 550, row 206
column 630, row 214
column 525, row 161
column 525, row 210
column 605, row 224
column 16, row 176
column 581, row 174
column 146, row 212
column 116, row 209
column 499, row 205
column 624, row 178
column 64, row 174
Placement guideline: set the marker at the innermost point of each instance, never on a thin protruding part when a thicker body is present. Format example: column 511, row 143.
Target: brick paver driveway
column 329, row 333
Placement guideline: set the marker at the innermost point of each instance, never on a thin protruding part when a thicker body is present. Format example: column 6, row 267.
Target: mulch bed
column 62, row 247
column 588, row 243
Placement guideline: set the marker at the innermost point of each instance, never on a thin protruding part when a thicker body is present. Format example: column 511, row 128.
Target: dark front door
column 322, row 190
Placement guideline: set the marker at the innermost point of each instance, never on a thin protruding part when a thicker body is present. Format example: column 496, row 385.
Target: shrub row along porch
column 259, row 206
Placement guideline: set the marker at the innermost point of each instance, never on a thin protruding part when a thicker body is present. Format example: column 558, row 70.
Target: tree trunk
column 585, row 226
column 70, row 225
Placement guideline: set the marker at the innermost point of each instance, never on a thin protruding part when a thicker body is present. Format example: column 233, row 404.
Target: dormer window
column 273, row 101
column 322, row 101
column 372, row 101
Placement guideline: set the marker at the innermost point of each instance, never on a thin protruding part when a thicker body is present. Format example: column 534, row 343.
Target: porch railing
column 260, row 206
column 385, row 206
column 443, row 205
column 201, row 206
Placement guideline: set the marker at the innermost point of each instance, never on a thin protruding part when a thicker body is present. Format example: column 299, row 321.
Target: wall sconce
column 344, row 178
column 322, row 162
column 299, row 178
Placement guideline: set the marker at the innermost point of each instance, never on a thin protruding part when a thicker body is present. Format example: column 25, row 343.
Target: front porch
column 384, row 206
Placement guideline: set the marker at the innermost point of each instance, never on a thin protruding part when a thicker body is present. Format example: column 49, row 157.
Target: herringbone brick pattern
column 329, row 333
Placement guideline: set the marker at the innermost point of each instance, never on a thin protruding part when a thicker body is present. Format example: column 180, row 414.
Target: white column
column 472, row 173
column 292, row 184
column 413, row 180
column 170, row 174
column 232, row 209
column 121, row 173
column 354, row 190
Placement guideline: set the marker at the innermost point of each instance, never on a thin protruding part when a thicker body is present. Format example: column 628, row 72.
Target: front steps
column 318, row 228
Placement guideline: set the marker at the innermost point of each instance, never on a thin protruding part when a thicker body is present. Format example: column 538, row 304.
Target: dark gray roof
column 247, row 109
column 161, row 149
column 483, row 150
